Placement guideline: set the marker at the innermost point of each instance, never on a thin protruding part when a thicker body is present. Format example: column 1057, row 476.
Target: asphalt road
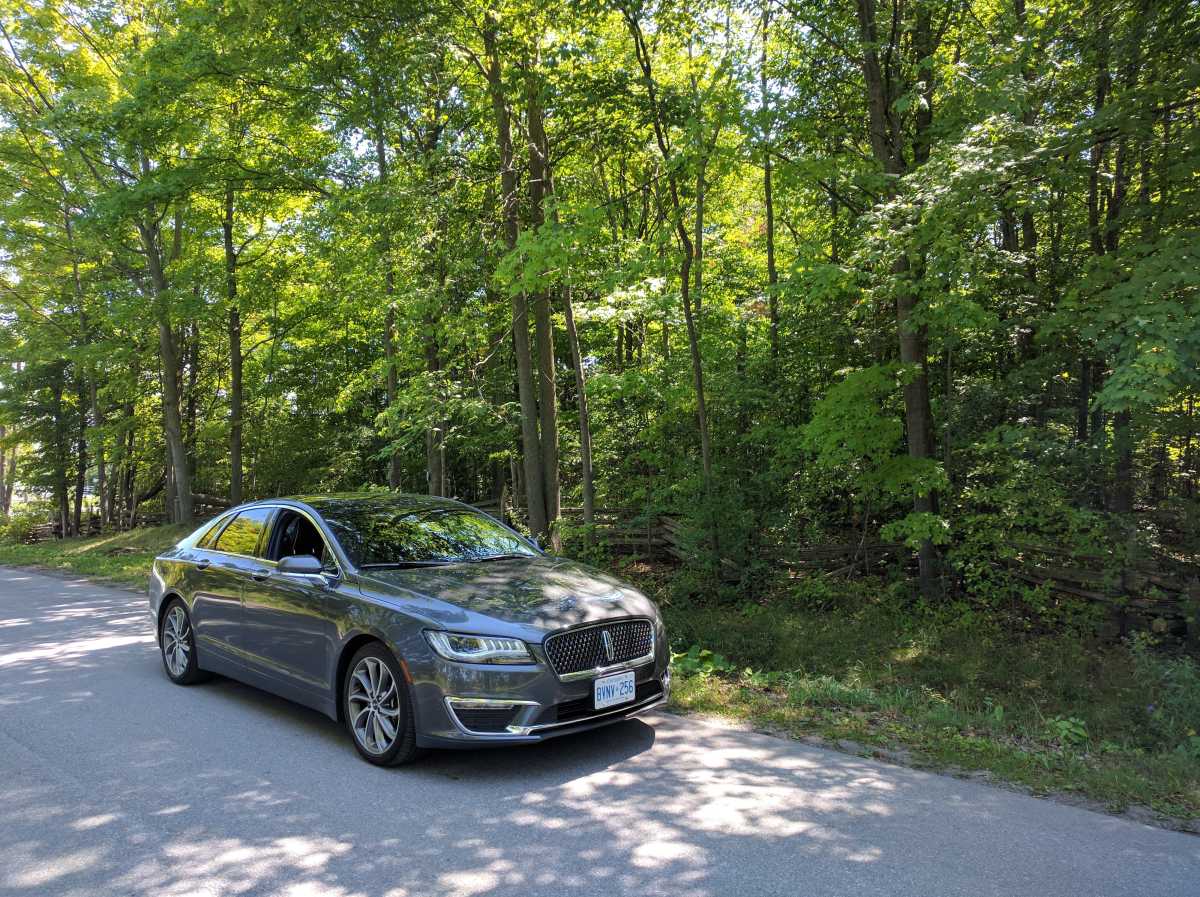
column 113, row 781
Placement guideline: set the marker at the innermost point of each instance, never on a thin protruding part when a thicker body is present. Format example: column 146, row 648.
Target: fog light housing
column 485, row 716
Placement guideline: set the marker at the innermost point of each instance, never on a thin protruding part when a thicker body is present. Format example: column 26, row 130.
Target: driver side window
column 296, row 534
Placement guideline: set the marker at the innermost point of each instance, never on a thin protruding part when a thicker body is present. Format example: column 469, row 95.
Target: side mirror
column 303, row 564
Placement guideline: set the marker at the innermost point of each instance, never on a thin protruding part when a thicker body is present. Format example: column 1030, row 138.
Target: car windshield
column 379, row 535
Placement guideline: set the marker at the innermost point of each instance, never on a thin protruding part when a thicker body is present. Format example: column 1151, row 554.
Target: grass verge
column 863, row 665
column 122, row 558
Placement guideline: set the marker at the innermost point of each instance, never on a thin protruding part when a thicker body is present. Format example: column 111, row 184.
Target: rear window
column 242, row 534
column 210, row 534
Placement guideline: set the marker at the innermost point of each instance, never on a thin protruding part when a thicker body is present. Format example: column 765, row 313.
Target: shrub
column 1170, row 687
column 1009, row 498
column 697, row 661
column 21, row 521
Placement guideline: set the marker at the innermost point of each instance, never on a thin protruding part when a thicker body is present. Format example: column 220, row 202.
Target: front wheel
column 177, row 643
column 377, row 706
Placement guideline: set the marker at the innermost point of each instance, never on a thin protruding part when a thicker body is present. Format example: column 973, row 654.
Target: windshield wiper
column 402, row 565
column 500, row 557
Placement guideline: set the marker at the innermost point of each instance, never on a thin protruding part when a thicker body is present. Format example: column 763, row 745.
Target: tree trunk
column 434, row 436
column 127, row 442
column 389, row 280
column 1083, row 401
column 169, row 357
column 531, row 449
column 4, row 473
column 169, row 506
column 1123, row 466
column 886, row 136
column 585, row 430
column 768, row 197
column 1106, row 236
column 8, row 473
column 948, row 394
column 918, row 420
column 642, row 52
column 101, row 466
column 543, row 324
column 1188, row 454
column 235, row 350
column 189, row 393
column 60, row 455
column 698, row 239
column 697, row 375
column 81, row 459
column 7, row 497
column 1029, row 237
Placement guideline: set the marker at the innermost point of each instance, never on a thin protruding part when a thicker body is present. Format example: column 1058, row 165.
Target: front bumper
column 523, row 705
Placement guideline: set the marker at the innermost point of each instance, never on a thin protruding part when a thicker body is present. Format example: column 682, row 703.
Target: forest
column 920, row 275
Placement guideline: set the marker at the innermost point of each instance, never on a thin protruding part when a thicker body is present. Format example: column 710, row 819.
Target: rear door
column 223, row 569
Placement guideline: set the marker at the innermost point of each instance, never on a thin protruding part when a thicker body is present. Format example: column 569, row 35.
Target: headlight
column 478, row 648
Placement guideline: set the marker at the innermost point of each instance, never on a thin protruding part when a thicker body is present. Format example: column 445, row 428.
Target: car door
column 211, row 624
column 222, row 571
column 291, row 620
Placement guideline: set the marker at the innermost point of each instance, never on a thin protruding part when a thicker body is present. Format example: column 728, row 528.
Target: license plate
column 613, row 690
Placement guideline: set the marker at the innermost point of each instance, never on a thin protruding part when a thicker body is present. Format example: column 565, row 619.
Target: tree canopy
column 786, row 269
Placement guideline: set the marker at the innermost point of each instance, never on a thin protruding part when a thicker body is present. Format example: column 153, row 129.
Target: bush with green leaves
column 697, row 661
column 17, row 527
column 856, row 436
column 1068, row 731
column 1009, row 501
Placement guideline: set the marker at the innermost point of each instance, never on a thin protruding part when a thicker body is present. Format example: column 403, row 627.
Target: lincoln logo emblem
column 606, row 640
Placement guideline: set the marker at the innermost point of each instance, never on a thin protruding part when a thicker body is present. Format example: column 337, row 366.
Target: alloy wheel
column 176, row 641
column 374, row 703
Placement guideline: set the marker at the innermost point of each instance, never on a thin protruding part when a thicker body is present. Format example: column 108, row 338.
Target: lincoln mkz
column 418, row 622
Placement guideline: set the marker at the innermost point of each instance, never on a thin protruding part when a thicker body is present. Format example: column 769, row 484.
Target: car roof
column 401, row 501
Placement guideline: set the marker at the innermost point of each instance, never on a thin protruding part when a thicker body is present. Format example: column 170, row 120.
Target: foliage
column 19, row 525
column 1012, row 502
column 1069, row 731
column 697, row 661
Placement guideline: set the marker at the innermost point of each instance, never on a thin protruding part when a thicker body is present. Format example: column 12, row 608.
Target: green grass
column 114, row 557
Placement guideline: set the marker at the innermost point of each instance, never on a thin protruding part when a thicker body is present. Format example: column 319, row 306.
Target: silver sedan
column 420, row 622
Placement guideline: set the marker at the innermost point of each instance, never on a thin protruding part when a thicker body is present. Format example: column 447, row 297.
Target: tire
column 177, row 645
column 377, row 707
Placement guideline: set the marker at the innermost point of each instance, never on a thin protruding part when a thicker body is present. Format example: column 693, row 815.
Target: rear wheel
column 177, row 643
column 377, row 706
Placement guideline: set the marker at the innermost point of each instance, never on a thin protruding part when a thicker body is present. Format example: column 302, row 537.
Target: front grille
column 485, row 719
column 581, row 708
column 579, row 650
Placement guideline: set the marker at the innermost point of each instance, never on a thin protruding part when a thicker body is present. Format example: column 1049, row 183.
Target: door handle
column 260, row 574
column 202, row 564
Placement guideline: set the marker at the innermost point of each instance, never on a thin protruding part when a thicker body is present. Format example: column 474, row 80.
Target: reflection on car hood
column 546, row 593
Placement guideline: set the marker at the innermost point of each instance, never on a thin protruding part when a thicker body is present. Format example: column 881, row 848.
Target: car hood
column 540, row 593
